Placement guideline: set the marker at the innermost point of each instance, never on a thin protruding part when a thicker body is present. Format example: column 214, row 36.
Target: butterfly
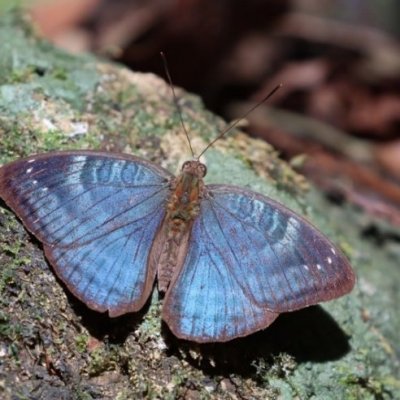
column 229, row 260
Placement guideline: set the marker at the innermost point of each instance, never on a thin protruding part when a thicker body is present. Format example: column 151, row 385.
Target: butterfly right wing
column 249, row 259
column 97, row 215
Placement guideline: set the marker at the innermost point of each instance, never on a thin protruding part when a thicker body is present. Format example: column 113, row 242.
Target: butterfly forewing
column 97, row 214
column 249, row 259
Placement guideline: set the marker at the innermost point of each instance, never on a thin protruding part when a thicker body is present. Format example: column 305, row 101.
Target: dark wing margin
column 96, row 214
column 249, row 259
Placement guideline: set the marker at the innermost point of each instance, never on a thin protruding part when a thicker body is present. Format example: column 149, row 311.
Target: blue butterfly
column 229, row 260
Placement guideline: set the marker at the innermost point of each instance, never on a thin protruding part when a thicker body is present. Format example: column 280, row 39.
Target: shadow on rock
column 101, row 326
column 310, row 334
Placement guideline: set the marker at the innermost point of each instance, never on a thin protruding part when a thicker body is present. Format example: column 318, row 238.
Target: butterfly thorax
column 182, row 208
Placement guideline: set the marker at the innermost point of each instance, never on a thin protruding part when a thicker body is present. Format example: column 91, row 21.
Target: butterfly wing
column 96, row 214
column 250, row 259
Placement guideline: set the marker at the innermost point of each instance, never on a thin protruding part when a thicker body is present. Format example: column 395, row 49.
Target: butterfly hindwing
column 249, row 259
column 96, row 214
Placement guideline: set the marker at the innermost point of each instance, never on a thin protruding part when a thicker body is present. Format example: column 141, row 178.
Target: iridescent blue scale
column 247, row 260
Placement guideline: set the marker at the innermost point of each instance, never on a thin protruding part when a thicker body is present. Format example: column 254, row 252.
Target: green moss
column 81, row 342
column 103, row 359
column 150, row 328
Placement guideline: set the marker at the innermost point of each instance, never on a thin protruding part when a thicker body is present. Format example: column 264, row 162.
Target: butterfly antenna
column 233, row 124
column 176, row 100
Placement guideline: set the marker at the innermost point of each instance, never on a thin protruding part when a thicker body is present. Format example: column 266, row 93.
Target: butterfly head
column 194, row 167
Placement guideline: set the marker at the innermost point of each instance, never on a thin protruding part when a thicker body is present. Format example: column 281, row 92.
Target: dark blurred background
column 339, row 61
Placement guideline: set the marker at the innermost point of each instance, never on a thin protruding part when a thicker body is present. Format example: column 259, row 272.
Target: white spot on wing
column 29, row 170
column 31, row 160
column 319, row 267
column 329, row 260
column 34, row 182
column 80, row 158
column 306, row 267
column 77, row 164
column 333, row 250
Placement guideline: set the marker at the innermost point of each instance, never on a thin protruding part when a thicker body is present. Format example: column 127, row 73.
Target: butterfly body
column 228, row 259
column 182, row 208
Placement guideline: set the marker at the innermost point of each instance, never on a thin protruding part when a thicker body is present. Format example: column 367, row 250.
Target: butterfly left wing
column 250, row 259
column 96, row 214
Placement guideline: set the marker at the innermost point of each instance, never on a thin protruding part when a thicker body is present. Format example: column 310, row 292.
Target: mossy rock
column 52, row 346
